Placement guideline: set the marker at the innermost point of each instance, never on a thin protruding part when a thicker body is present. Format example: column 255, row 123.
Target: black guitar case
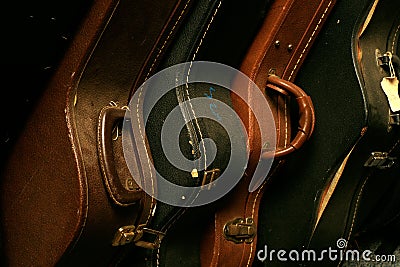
column 345, row 181
column 207, row 34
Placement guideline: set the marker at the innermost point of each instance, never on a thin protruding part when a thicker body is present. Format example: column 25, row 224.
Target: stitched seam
column 152, row 207
column 187, row 78
column 252, row 215
column 187, row 91
column 191, row 106
column 397, row 143
column 309, row 40
column 254, row 206
column 102, row 163
column 165, row 232
column 166, row 40
column 215, row 250
column 355, row 211
column 147, row 157
column 286, row 124
column 74, row 140
column 356, row 208
column 394, row 38
column 187, row 81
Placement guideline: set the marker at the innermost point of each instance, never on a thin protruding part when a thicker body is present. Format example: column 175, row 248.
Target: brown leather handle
column 122, row 193
column 306, row 112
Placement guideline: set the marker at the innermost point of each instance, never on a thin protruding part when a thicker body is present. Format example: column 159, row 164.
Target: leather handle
column 122, row 193
column 306, row 118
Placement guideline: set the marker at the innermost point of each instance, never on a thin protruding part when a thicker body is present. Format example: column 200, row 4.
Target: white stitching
column 254, row 206
column 187, row 81
column 165, row 232
column 394, row 38
column 309, row 40
column 148, row 159
column 252, row 215
column 187, row 92
column 137, row 114
column 286, row 123
column 356, row 207
column 216, row 252
column 137, row 109
column 141, row 91
column 166, row 40
column 152, row 207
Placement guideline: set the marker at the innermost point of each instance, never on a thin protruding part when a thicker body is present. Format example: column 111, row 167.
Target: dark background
column 35, row 36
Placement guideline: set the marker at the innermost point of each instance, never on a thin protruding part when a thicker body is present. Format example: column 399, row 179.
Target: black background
column 35, row 36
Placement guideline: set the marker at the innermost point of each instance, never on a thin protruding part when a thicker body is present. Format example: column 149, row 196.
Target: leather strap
column 280, row 48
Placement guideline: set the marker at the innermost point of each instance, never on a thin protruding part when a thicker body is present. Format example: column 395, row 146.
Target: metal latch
column 130, row 233
column 395, row 119
column 240, row 230
column 209, row 177
column 380, row 160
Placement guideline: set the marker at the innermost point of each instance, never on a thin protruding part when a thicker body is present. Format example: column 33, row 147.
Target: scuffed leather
column 56, row 209
column 116, row 183
column 294, row 23
column 306, row 117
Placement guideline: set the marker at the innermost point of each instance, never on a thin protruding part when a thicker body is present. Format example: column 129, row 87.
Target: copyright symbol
column 341, row 243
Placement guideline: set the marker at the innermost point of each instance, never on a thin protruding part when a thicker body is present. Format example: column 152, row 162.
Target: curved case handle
column 122, row 190
column 306, row 118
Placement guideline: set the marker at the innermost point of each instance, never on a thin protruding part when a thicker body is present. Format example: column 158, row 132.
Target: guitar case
column 73, row 194
column 76, row 198
column 343, row 184
column 59, row 206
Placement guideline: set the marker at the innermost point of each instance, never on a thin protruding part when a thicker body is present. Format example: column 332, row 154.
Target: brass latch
column 240, row 230
column 130, row 233
column 380, row 160
column 209, row 177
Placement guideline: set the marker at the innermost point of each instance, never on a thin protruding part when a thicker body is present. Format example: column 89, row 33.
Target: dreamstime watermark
column 190, row 110
column 340, row 253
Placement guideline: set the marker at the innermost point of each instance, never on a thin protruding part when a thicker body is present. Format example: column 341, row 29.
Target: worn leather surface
column 290, row 203
column 44, row 193
column 184, row 48
column 354, row 199
column 262, row 56
column 109, row 76
column 123, row 191
column 206, row 34
column 62, row 201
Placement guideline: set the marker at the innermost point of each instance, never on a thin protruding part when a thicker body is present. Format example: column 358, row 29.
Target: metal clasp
column 209, row 177
column 380, row 160
column 130, row 233
column 240, row 230
column 395, row 119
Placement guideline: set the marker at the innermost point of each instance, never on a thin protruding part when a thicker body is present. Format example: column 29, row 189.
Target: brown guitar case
column 59, row 204
column 272, row 61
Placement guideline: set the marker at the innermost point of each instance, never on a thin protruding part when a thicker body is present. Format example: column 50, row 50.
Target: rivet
column 277, row 43
column 290, row 47
column 130, row 184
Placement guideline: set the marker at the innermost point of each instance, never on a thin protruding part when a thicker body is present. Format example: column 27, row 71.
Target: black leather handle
column 122, row 190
